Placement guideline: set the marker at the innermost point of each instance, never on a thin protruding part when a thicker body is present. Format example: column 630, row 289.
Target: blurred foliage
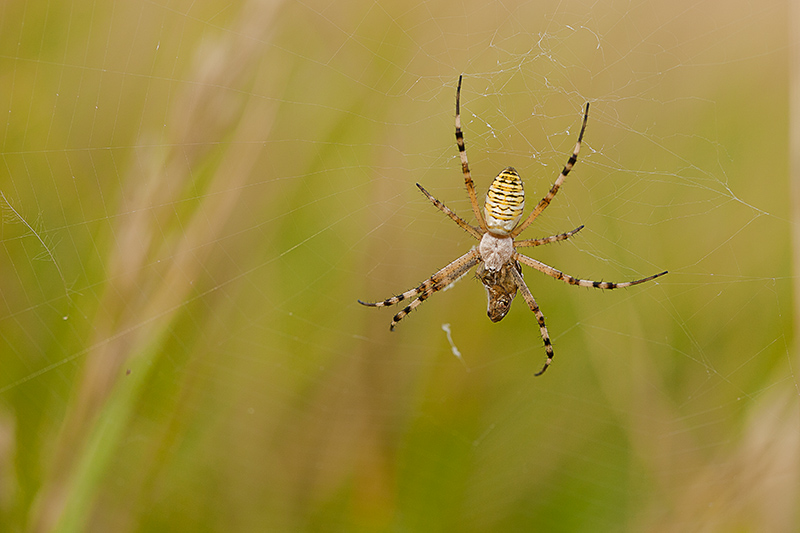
column 218, row 184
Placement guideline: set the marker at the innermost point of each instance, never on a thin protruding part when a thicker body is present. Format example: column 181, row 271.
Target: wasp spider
column 496, row 254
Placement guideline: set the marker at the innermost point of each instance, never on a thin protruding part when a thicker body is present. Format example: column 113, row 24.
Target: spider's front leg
column 526, row 294
column 566, row 278
column 501, row 288
column 440, row 280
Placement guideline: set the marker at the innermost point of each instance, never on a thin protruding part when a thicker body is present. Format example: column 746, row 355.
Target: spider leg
column 435, row 283
column 526, row 294
column 547, row 240
column 557, row 274
column 561, row 177
column 462, row 152
column 472, row 230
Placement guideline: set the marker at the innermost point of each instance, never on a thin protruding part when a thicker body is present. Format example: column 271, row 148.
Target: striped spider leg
column 462, row 153
column 499, row 265
column 557, row 274
column 440, row 280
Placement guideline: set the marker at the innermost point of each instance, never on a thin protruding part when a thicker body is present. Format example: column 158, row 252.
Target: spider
column 496, row 255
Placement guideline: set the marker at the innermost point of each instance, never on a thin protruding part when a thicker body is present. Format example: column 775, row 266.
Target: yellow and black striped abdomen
column 504, row 202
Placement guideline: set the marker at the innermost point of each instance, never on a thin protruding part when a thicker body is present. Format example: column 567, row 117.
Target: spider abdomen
column 505, row 201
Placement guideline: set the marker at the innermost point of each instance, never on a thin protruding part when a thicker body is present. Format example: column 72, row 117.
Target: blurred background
column 195, row 194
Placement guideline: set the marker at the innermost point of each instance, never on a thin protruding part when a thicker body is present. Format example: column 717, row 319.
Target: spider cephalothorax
column 499, row 263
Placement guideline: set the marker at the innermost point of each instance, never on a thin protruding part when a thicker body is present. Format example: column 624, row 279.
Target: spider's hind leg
column 462, row 153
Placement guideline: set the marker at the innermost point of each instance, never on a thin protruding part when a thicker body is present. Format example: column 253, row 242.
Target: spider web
column 195, row 194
